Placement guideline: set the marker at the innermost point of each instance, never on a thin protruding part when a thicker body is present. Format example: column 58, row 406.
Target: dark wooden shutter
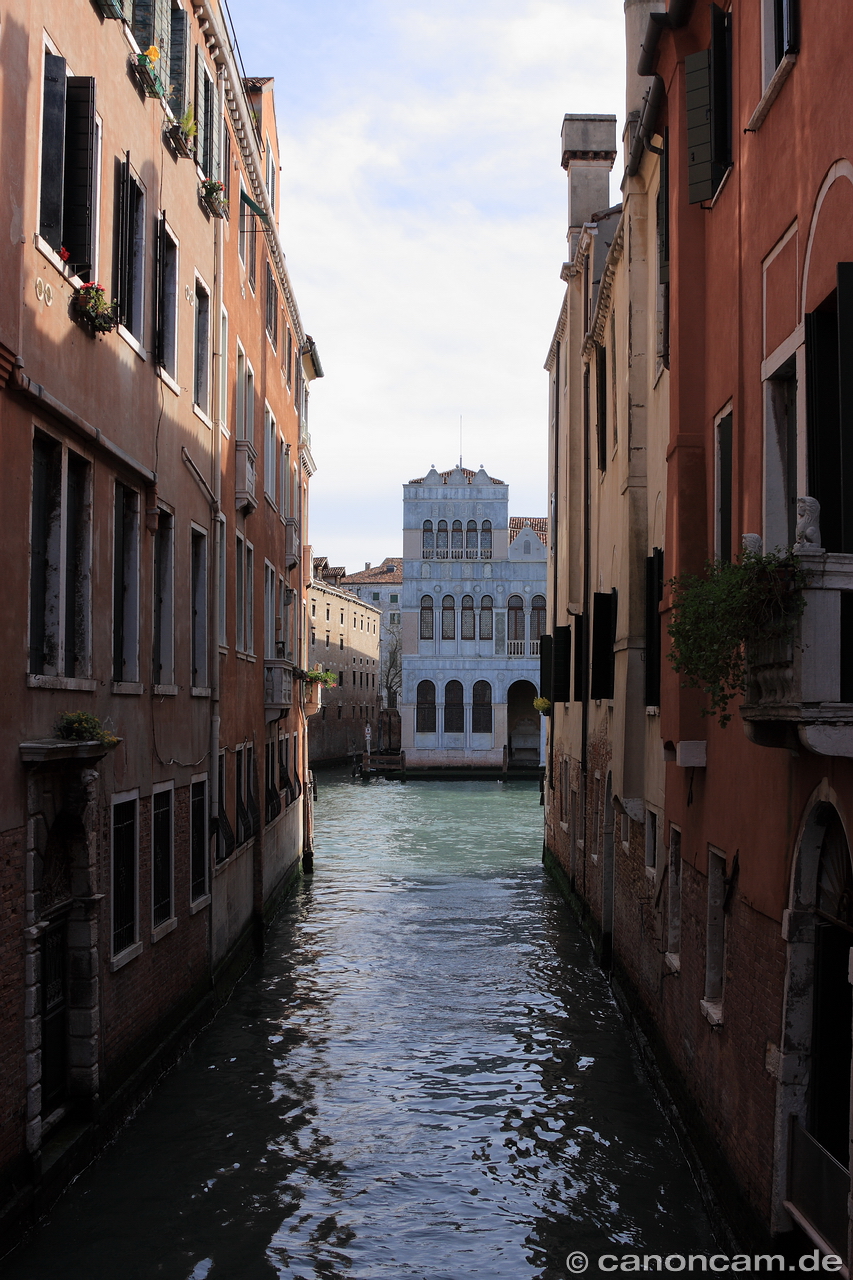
column 180, row 53
column 654, row 595
column 603, row 636
column 124, row 257
column 823, row 424
column 724, row 485
column 79, row 191
column 47, row 464
column 721, row 106
column 119, row 579
column 562, row 665
column 845, row 400
column 160, row 307
column 545, row 668
column 581, row 649
column 697, row 68
column 200, row 118
column 215, row 129
column 52, row 151
column 663, row 212
column 601, row 404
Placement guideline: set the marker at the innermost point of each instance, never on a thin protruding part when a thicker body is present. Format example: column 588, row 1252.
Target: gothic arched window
column 425, row 711
column 454, row 707
column 486, row 540
column 448, row 618
column 515, row 622
column 486, row 617
column 441, row 541
column 537, row 617
column 426, row 618
column 456, row 540
column 428, row 540
column 471, row 540
column 481, row 711
column 467, row 631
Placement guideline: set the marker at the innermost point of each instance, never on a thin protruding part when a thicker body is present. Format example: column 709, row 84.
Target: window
column 123, row 879
column 270, row 451
column 394, row 619
column 130, row 198
column 781, row 33
column 486, row 540
column 151, row 23
column 454, row 707
column 601, row 405
column 225, row 842
column 427, row 631
column 456, row 540
column 198, row 839
column 166, row 344
column 162, row 665
column 222, row 620
column 448, row 618
column 604, row 609
column 654, row 595
column 69, row 159
column 723, row 486
column 486, row 618
column 245, row 398
column 515, row 624
column 201, row 379
column 425, row 709
column 673, row 933
column 663, row 253
column 60, row 551
column 708, row 85
column 272, row 800
column 537, row 619
column 526, row 547
column 651, row 839
column 161, row 855
column 428, row 540
column 272, row 307
column 829, row 400
column 207, row 118
column 223, row 367
column 780, row 457
column 270, row 175
column 244, row 570
column 243, row 226
column 198, row 617
column 481, row 711
column 374, row 595
column 471, row 540
column 288, row 363
column 269, row 610
column 716, row 927
column 126, row 585
column 467, row 618
column 394, row 599
column 441, row 540
column 179, row 62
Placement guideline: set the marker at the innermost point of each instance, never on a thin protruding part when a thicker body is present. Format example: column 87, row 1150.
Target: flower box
column 180, row 141
column 148, row 77
column 212, row 195
column 94, row 308
column 110, row 8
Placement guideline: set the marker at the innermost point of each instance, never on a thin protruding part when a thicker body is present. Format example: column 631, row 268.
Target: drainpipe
column 220, row 358
column 587, row 498
column 554, row 552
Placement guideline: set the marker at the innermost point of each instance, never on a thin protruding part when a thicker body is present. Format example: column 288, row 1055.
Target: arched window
column 441, row 541
column 486, row 540
column 456, row 540
column 486, row 616
column 425, row 711
column 454, row 707
column 471, row 540
column 429, row 540
column 515, row 625
column 481, row 712
column 448, row 618
column 468, row 618
column 426, row 618
column 537, row 617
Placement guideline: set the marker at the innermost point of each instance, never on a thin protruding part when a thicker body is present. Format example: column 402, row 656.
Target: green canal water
column 424, row 1076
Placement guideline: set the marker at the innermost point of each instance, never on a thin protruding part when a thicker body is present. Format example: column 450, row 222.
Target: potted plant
column 542, row 705
column 145, row 67
column 212, row 193
column 315, row 681
column 93, row 306
column 748, row 607
column 81, row 726
column 182, row 132
column 110, row 8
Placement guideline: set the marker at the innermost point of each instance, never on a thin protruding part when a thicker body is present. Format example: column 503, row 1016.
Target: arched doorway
column 523, row 728
column 813, row 1095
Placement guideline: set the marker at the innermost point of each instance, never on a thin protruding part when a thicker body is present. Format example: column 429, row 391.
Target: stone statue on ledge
column 752, row 543
column 808, row 526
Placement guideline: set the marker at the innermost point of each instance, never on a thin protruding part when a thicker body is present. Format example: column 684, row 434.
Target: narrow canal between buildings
column 424, row 1076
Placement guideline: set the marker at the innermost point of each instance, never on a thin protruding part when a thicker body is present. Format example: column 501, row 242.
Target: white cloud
column 424, row 223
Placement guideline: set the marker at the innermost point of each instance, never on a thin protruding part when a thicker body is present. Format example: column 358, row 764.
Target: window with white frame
column 223, row 616
column 201, row 378
column 269, row 609
column 166, row 345
column 126, row 585
column 272, row 305
column 245, row 559
column 270, row 451
column 780, row 34
column 70, row 161
column 60, row 561
column 270, row 173
column 162, row 827
column 130, row 259
column 715, row 935
column 123, row 866
column 651, row 839
column 198, row 838
column 222, row 402
column 198, row 606
column 163, row 659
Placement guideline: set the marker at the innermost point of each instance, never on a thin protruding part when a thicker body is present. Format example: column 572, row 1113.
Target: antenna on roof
column 460, row 442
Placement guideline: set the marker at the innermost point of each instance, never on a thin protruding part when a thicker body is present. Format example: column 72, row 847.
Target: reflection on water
column 425, row 1076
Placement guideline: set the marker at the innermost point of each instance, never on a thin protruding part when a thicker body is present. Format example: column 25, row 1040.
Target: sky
column 423, row 218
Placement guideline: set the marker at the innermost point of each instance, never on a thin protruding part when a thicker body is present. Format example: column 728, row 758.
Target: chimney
column 636, row 24
column 366, row 565
column 589, row 149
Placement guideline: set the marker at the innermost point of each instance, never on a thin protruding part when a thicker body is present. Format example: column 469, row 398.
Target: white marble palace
column 473, row 604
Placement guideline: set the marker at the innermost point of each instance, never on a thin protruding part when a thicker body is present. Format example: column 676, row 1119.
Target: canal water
column 424, row 1076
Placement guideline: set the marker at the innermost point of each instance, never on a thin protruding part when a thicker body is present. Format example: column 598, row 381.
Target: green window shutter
column 79, row 194
column 603, row 637
column 697, row 68
column 180, row 52
column 200, row 119
column 215, row 130
column 142, row 24
column 52, row 151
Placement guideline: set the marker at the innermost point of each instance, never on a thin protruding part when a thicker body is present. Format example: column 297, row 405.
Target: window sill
column 162, row 929
column 651, row 872
column 55, row 261
column 126, row 686
column 199, row 692
column 125, row 957
column 713, row 1011
column 164, row 690
column 62, row 682
column 132, row 342
column 652, row 711
column 673, row 962
column 224, row 431
column 168, row 379
column 271, row 500
column 201, row 903
column 564, row 826
column 200, row 413
column 771, row 93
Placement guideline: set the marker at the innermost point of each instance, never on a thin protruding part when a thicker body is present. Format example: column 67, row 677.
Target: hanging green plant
column 326, row 678
column 93, row 305
column 542, row 705
column 717, row 618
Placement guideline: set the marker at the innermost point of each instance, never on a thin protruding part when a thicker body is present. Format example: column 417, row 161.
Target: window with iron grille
column 481, row 709
column 467, row 618
column 486, row 618
column 198, row 839
column 454, row 707
column 448, row 618
column 426, row 618
column 161, row 857
column 123, row 881
column 425, row 710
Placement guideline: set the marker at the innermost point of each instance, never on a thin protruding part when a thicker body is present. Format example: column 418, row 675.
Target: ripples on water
column 425, row 1077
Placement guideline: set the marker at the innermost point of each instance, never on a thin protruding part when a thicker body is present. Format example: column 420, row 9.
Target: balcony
column 291, row 542
column 515, row 648
column 800, row 691
column 246, row 478
column 278, row 684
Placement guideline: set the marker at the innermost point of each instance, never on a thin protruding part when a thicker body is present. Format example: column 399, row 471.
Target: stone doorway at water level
column 524, row 730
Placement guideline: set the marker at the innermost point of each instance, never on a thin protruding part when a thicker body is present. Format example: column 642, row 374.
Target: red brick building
column 154, row 444
column 700, row 394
